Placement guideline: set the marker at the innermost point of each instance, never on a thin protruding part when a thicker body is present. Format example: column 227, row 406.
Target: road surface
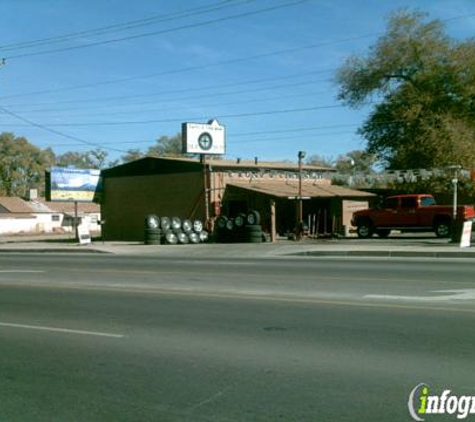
column 108, row 338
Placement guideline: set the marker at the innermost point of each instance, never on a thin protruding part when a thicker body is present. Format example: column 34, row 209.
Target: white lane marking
column 462, row 294
column 60, row 330
column 21, row 271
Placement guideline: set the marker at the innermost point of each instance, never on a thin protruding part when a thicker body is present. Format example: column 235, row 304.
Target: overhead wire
column 54, row 131
column 124, row 25
column 161, row 32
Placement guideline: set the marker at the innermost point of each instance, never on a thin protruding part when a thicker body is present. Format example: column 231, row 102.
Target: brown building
column 176, row 187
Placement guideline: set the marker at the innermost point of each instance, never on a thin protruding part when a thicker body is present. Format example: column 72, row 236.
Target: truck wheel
column 364, row 230
column 443, row 229
column 383, row 233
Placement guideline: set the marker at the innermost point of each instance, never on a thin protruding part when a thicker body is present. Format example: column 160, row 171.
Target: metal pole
column 298, row 228
column 76, row 232
column 206, row 189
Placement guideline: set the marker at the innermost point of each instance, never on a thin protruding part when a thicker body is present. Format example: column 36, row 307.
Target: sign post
column 204, row 139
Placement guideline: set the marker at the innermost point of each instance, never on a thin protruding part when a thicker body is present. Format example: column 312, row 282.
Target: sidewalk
column 408, row 248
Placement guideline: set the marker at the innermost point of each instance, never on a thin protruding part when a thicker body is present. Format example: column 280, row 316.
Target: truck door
column 387, row 213
column 407, row 215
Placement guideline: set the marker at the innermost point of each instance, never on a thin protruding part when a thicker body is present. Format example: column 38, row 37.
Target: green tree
column 355, row 161
column 167, row 146
column 423, row 86
column 22, row 165
column 132, row 155
column 94, row 159
column 320, row 160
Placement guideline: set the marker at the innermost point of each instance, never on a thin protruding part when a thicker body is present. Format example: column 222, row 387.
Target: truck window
column 427, row 200
column 410, row 202
column 390, row 203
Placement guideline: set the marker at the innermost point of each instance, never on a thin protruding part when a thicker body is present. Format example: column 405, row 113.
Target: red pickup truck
column 416, row 212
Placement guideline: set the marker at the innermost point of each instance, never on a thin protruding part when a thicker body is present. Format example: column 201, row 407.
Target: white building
column 37, row 216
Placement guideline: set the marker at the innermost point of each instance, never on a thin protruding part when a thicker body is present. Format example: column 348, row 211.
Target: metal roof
column 164, row 165
column 290, row 189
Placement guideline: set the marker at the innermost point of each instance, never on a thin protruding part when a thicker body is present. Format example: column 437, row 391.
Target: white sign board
column 199, row 138
column 466, row 235
column 83, row 234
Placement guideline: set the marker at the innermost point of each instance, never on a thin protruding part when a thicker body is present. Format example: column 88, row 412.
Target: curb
column 387, row 254
column 53, row 250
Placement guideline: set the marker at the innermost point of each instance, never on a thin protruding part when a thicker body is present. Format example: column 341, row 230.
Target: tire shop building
column 176, row 187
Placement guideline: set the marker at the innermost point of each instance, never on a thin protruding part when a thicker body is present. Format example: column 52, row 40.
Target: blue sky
column 264, row 68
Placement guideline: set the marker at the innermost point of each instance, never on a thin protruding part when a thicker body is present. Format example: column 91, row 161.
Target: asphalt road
column 107, row 338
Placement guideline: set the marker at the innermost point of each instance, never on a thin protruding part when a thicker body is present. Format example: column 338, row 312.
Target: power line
column 163, row 31
column 160, row 110
column 197, row 118
column 123, row 26
column 178, row 91
column 193, row 68
column 56, row 132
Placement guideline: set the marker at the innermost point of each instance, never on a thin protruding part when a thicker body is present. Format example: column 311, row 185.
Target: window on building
column 55, row 217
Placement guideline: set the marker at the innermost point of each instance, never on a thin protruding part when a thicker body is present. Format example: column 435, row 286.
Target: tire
column 187, row 226
column 364, row 229
column 165, row 223
column 152, row 236
column 204, row 236
column 183, row 238
column 253, row 234
column 240, row 220
column 443, row 229
column 230, row 224
column 253, row 218
column 256, row 228
column 171, row 239
column 383, row 233
column 221, row 222
column 176, row 223
column 197, row 226
column 194, row 238
column 152, row 222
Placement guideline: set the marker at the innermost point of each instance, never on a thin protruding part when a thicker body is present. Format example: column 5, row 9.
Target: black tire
column 443, row 228
column 152, row 241
column 165, row 223
column 152, row 221
column 364, row 229
column 221, row 222
column 253, row 218
column 383, row 233
column 240, row 220
column 152, row 236
column 253, row 233
column 230, row 224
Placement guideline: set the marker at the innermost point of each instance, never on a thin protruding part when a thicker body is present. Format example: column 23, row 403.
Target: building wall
column 45, row 223
column 127, row 200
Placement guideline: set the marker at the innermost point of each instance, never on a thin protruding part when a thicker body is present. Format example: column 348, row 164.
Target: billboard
column 199, row 138
column 74, row 185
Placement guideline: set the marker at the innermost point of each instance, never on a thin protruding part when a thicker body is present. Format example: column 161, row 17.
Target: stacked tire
column 153, row 233
column 173, row 231
column 244, row 228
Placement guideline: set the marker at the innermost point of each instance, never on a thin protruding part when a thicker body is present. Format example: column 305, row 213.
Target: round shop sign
column 205, row 141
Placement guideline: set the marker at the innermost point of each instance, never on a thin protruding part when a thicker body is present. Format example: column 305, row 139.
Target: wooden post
column 273, row 228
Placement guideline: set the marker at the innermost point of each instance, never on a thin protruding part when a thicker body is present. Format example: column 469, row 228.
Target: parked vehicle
column 415, row 212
